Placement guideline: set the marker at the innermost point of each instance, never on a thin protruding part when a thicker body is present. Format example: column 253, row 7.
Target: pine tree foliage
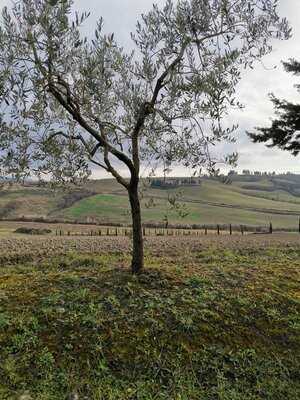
column 285, row 129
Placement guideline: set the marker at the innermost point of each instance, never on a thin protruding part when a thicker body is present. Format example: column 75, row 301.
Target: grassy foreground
column 212, row 324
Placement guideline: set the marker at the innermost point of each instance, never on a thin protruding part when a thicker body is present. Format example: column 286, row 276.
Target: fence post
column 242, row 229
column 271, row 228
column 230, row 229
column 218, row 229
column 205, row 230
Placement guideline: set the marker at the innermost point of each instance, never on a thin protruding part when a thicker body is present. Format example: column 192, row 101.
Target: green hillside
column 251, row 200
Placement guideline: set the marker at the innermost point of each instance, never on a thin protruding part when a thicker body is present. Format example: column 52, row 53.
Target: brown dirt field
column 29, row 247
column 8, row 227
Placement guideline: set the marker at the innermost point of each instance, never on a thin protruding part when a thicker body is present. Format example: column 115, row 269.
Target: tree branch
column 74, row 110
column 99, row 164
column 110, row 168
column 82, row 122
column 160, row 81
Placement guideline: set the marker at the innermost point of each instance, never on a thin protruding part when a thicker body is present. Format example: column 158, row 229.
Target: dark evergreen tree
column 285, row 130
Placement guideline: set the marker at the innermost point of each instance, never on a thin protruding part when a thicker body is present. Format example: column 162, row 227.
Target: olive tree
column 75, row 101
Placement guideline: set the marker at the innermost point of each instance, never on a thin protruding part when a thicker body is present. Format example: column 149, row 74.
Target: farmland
column 250, row 202
column 210, row 318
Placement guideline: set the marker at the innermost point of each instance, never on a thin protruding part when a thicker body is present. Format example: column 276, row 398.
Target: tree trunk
column 137, row 263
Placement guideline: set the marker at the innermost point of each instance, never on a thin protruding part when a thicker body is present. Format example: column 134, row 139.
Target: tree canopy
column 69, row 101
column 285, row 129
column 74, row 100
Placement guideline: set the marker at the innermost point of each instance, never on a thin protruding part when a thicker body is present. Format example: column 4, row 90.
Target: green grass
column 102, row 205
column 115, row 208
column 212, row 191
column 205, row 204
column 202, row 204
column 212, row 324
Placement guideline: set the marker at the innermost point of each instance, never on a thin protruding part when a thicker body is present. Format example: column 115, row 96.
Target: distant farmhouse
column 175, row 182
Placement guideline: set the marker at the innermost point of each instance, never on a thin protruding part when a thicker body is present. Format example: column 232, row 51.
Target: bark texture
column 137, row 263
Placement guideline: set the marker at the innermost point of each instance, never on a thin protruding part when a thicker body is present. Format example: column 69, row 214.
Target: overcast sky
column 120, row 17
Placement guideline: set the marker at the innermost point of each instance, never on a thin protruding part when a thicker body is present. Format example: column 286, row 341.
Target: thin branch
column 160, row 81
column 99, row 164
column 114, row 126
column 95, row 149
column 60, row 133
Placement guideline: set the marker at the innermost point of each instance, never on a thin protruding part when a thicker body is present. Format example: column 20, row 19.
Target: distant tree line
column 175, row 182
column 260, row 173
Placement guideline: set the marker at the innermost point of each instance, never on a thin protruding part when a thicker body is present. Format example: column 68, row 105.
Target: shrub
column 32, row 231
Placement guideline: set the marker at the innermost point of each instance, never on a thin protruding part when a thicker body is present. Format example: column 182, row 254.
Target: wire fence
column 217, row 229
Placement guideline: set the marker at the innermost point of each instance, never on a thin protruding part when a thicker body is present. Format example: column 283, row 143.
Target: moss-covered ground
column 212, row 323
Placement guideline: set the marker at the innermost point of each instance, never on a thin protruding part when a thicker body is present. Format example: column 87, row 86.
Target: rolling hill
column 249, row 200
